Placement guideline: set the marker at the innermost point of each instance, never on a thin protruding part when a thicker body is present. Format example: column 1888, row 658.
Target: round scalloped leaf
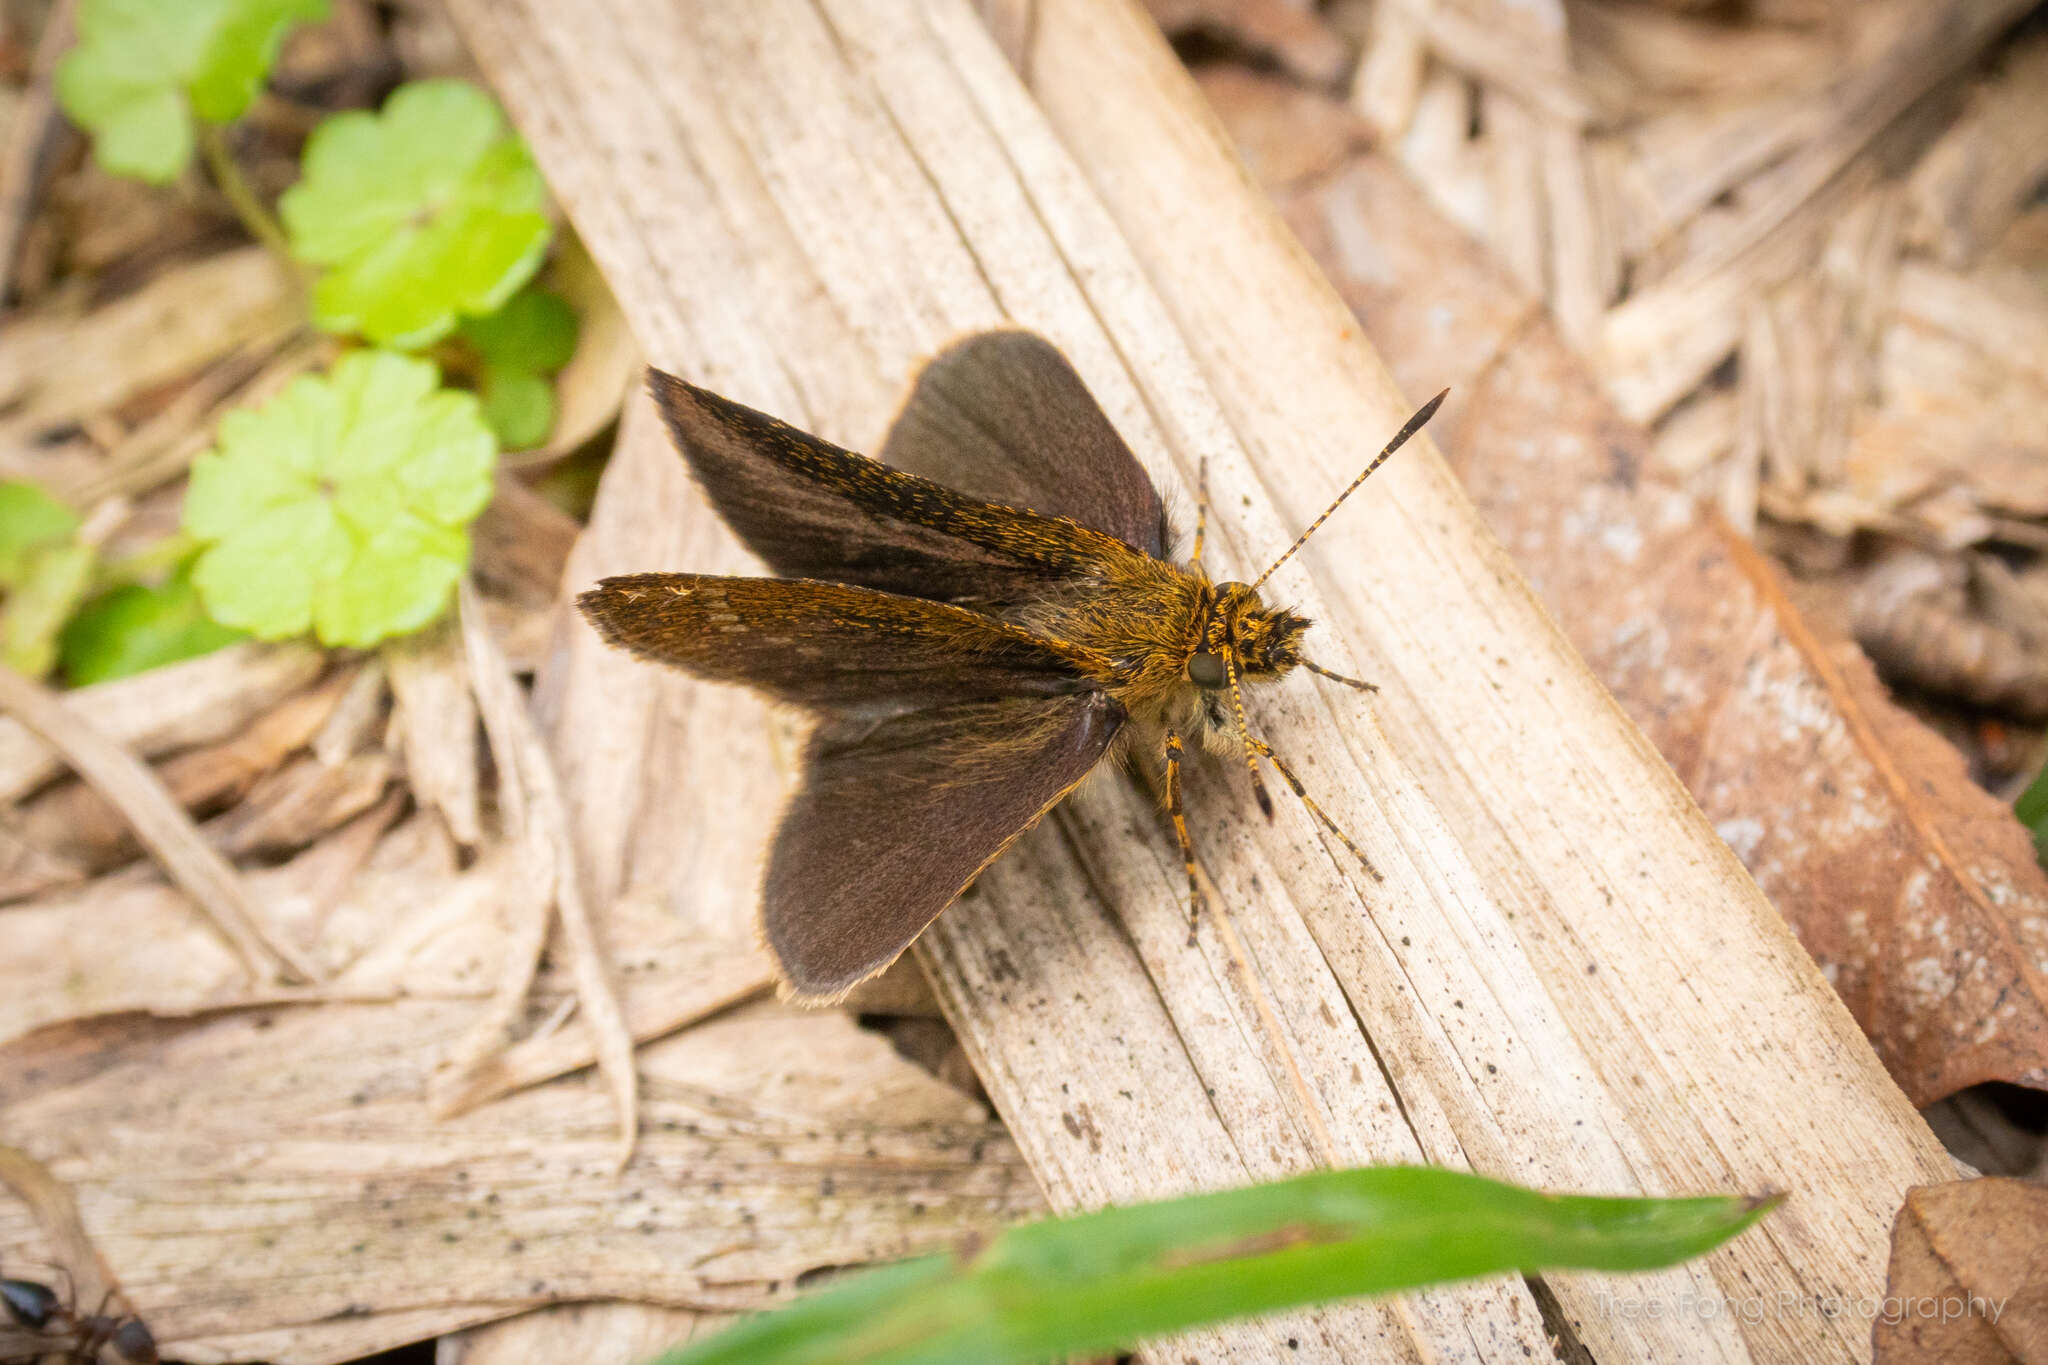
column 535, row 330
column 133, row 628
column 142, row 68
column 29, row 519
column 342, row 506
column 519, row 405
column 428, row 210
column 50, row 589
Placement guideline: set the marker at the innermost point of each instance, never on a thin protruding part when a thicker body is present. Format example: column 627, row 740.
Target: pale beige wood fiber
column 1564, row 979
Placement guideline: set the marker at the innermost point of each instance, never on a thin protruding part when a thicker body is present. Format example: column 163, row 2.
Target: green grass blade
column 2032, row 809
column 1103, row 1280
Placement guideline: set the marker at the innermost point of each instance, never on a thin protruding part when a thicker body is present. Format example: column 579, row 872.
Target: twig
column 160, row 823
column 523, row 757
column 27, row 133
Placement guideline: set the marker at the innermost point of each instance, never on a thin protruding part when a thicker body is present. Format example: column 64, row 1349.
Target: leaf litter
column 1661, row 195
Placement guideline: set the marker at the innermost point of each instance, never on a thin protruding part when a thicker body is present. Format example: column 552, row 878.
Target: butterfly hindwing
column 828, row 645
column 896, row 817
column 1003, row 417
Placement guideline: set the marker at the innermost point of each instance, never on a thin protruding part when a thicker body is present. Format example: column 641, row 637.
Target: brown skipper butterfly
column 977, row 619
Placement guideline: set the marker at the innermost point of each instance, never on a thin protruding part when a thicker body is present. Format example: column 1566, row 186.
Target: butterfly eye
column 1206, row 670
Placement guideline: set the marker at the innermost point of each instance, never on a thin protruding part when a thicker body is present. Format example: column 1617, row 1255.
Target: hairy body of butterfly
column 979, row 619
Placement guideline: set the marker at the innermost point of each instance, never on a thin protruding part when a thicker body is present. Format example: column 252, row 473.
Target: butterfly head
column 1261, row 639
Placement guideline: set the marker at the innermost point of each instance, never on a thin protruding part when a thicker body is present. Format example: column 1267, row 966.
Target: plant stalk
column 261, row 223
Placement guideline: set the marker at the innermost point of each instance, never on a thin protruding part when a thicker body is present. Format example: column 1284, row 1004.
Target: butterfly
column 978, row 619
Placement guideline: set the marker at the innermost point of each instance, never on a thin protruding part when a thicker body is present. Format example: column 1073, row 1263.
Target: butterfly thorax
column 1170, row 639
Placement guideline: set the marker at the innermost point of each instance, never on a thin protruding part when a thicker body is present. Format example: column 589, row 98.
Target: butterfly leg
column 1175, row 755
column 1265, row 751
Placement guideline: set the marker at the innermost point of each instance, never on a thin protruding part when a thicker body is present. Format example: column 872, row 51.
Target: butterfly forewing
column 895, row 817
column 828, row 645
column 1002, row 416
column 813, row 510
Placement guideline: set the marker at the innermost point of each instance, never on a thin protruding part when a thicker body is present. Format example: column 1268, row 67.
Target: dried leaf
column 78, row 823
column 197, row 702
column 1974, row 182
column 1915, row 889
column 1284, row 134
column 539, row 819
column 162, row 826
column 1291, row 33
column 1969, row 1276
column 353, row 1216
column 56, row 369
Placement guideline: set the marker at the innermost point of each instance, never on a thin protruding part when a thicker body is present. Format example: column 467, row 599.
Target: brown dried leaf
column 91, row 1285
column 1644, row 55
column 392, row 920
column 76, row 822
column 1290, row 32
column 1913, row 615
column 162, row 826
column 1284, row 134
column 56, row 369
column 1915, row 889
column 522, row 543
column 199, row 701
column 580, row 1331
column 539, row 821
column 296, row 804
column 1973, row 182
column 674, row 976
column 1969, row 1276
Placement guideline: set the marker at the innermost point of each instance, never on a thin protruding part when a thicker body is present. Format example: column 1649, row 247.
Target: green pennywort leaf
column 133, row 628
column 143, row 68
column 428, row 210
column 29, row 519
column 1103, row 1280
column 519, row 405
column 2032, row 809
column 54, row 580
column 535, row 330
column 343, row 505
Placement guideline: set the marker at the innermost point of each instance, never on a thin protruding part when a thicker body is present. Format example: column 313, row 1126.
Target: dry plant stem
column 525, row 914
column 539, row 814
column 77, row 821
column 28, row 130
column 56, row 1211
column 724, row 974
column 436, row 722
column 160, row 823
column 653, row 857
column 261, row 223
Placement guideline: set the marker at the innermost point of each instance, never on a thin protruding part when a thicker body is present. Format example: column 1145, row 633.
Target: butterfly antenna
column 1359, row 683
column 1408, row 428
column 1244, row 734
